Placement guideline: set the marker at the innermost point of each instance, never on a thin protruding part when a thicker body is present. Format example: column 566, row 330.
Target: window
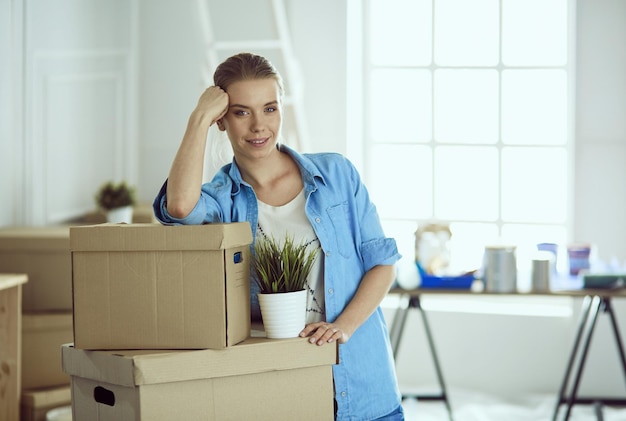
column 467, row 119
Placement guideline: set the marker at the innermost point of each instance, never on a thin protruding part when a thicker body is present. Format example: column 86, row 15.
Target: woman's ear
column 220, row 125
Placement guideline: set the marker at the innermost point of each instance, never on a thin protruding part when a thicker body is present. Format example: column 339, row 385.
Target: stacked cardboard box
column 162, row 331
column 10, row 341
column 149, row 286
column 42, row 337
column 43, row 254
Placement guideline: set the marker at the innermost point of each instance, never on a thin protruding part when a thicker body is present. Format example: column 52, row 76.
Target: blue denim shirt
column 351, row 237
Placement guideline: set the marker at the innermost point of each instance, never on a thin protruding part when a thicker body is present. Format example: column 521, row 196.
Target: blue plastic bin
column 444, row 282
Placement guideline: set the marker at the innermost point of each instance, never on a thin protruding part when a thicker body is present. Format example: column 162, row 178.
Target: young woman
column 317, row 197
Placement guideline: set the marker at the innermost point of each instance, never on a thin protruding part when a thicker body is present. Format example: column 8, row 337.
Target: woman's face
column 254, row 117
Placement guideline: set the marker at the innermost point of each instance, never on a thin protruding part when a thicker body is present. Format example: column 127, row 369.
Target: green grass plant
column 282, row 268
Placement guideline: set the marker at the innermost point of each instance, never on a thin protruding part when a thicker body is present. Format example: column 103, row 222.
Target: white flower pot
column 123, row 214
column 284, row 314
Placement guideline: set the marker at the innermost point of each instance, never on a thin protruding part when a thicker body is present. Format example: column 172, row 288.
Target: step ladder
column 220, row 32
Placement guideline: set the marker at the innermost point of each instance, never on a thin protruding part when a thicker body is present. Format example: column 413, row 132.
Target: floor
column 468, row 406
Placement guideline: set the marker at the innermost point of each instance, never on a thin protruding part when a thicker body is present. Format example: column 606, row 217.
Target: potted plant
column 280, row 271
column 117, row 201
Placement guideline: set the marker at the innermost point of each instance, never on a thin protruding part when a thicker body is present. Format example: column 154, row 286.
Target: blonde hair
column 245, row 66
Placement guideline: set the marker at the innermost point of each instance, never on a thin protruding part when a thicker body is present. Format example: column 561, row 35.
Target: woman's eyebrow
column 274, row 102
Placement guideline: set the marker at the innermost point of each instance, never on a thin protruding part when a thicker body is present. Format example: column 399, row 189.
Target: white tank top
column 290, row 219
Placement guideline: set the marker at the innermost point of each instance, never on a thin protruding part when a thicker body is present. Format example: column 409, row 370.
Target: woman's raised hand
column 213, row 103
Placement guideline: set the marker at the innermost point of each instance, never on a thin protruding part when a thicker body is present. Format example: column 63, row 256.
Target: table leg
column 395, row 336
column 620, row 347
column 586, row 306
column 397, row 325
column 433, row 351
column 593, row 315
column 598, row 410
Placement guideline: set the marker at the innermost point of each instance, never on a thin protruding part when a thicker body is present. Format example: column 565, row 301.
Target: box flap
column 139, row 367
column 35, row 238
column 97, row 365
column 146, row 237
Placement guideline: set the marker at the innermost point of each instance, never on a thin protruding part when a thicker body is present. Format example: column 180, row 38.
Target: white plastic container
column 63, row 413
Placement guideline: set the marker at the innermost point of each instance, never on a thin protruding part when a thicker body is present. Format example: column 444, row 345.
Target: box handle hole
column 237, row 257
column 104, row 396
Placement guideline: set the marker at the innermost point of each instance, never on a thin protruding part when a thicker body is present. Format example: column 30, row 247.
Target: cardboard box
column 42, row 337
column 258, row 379
column 43, row 253
column 10, row 343
column 150, row 286
column 35, row 404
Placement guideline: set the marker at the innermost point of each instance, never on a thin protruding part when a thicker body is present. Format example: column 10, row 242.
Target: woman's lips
column 257, row 142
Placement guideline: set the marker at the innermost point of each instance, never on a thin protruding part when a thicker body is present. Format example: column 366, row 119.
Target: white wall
column 68, row 74
column 154, row 52
column 600, row 199
column 10, row 117
column 170, row 83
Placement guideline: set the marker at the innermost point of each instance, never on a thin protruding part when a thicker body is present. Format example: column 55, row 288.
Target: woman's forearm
column 373, row 288
column 185, row 177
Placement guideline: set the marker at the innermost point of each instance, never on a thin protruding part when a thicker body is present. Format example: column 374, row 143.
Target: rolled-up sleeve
column 376, row 249
column 199, row 214
column 382, row 251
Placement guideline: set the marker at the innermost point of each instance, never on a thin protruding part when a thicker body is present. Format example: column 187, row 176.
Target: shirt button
column 343, row 394
column 331, row 291
column 327, row 254
column 317, row 220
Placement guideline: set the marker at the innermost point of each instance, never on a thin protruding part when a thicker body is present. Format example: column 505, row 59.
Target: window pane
column 476, row 118
column 466, row 106
column 466, row 32
column 400, row 32
column 534, row 107
column 534, row 32
column 466, row 183
column 533, row 185
column 468, row 243
column 404, row 234
column 409, row 197
column 400, row 105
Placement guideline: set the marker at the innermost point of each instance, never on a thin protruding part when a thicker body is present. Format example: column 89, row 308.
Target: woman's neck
column 275, row 180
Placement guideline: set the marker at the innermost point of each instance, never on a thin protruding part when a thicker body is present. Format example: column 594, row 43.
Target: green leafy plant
column 281, row 268
column 112, row 195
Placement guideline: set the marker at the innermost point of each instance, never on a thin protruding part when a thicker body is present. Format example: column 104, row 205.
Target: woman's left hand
column 323, row 332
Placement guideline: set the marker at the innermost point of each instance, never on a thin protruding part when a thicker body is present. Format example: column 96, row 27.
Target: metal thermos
column 500, row 269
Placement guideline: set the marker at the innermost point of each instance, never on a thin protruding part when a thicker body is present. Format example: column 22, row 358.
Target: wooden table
column 10, row 344
column 594, row 302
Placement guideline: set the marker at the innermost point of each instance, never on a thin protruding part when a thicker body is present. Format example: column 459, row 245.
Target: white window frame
column 359, row 144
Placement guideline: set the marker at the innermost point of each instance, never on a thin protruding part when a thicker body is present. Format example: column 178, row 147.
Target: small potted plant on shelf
column 117, row 201
column 281, row 271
